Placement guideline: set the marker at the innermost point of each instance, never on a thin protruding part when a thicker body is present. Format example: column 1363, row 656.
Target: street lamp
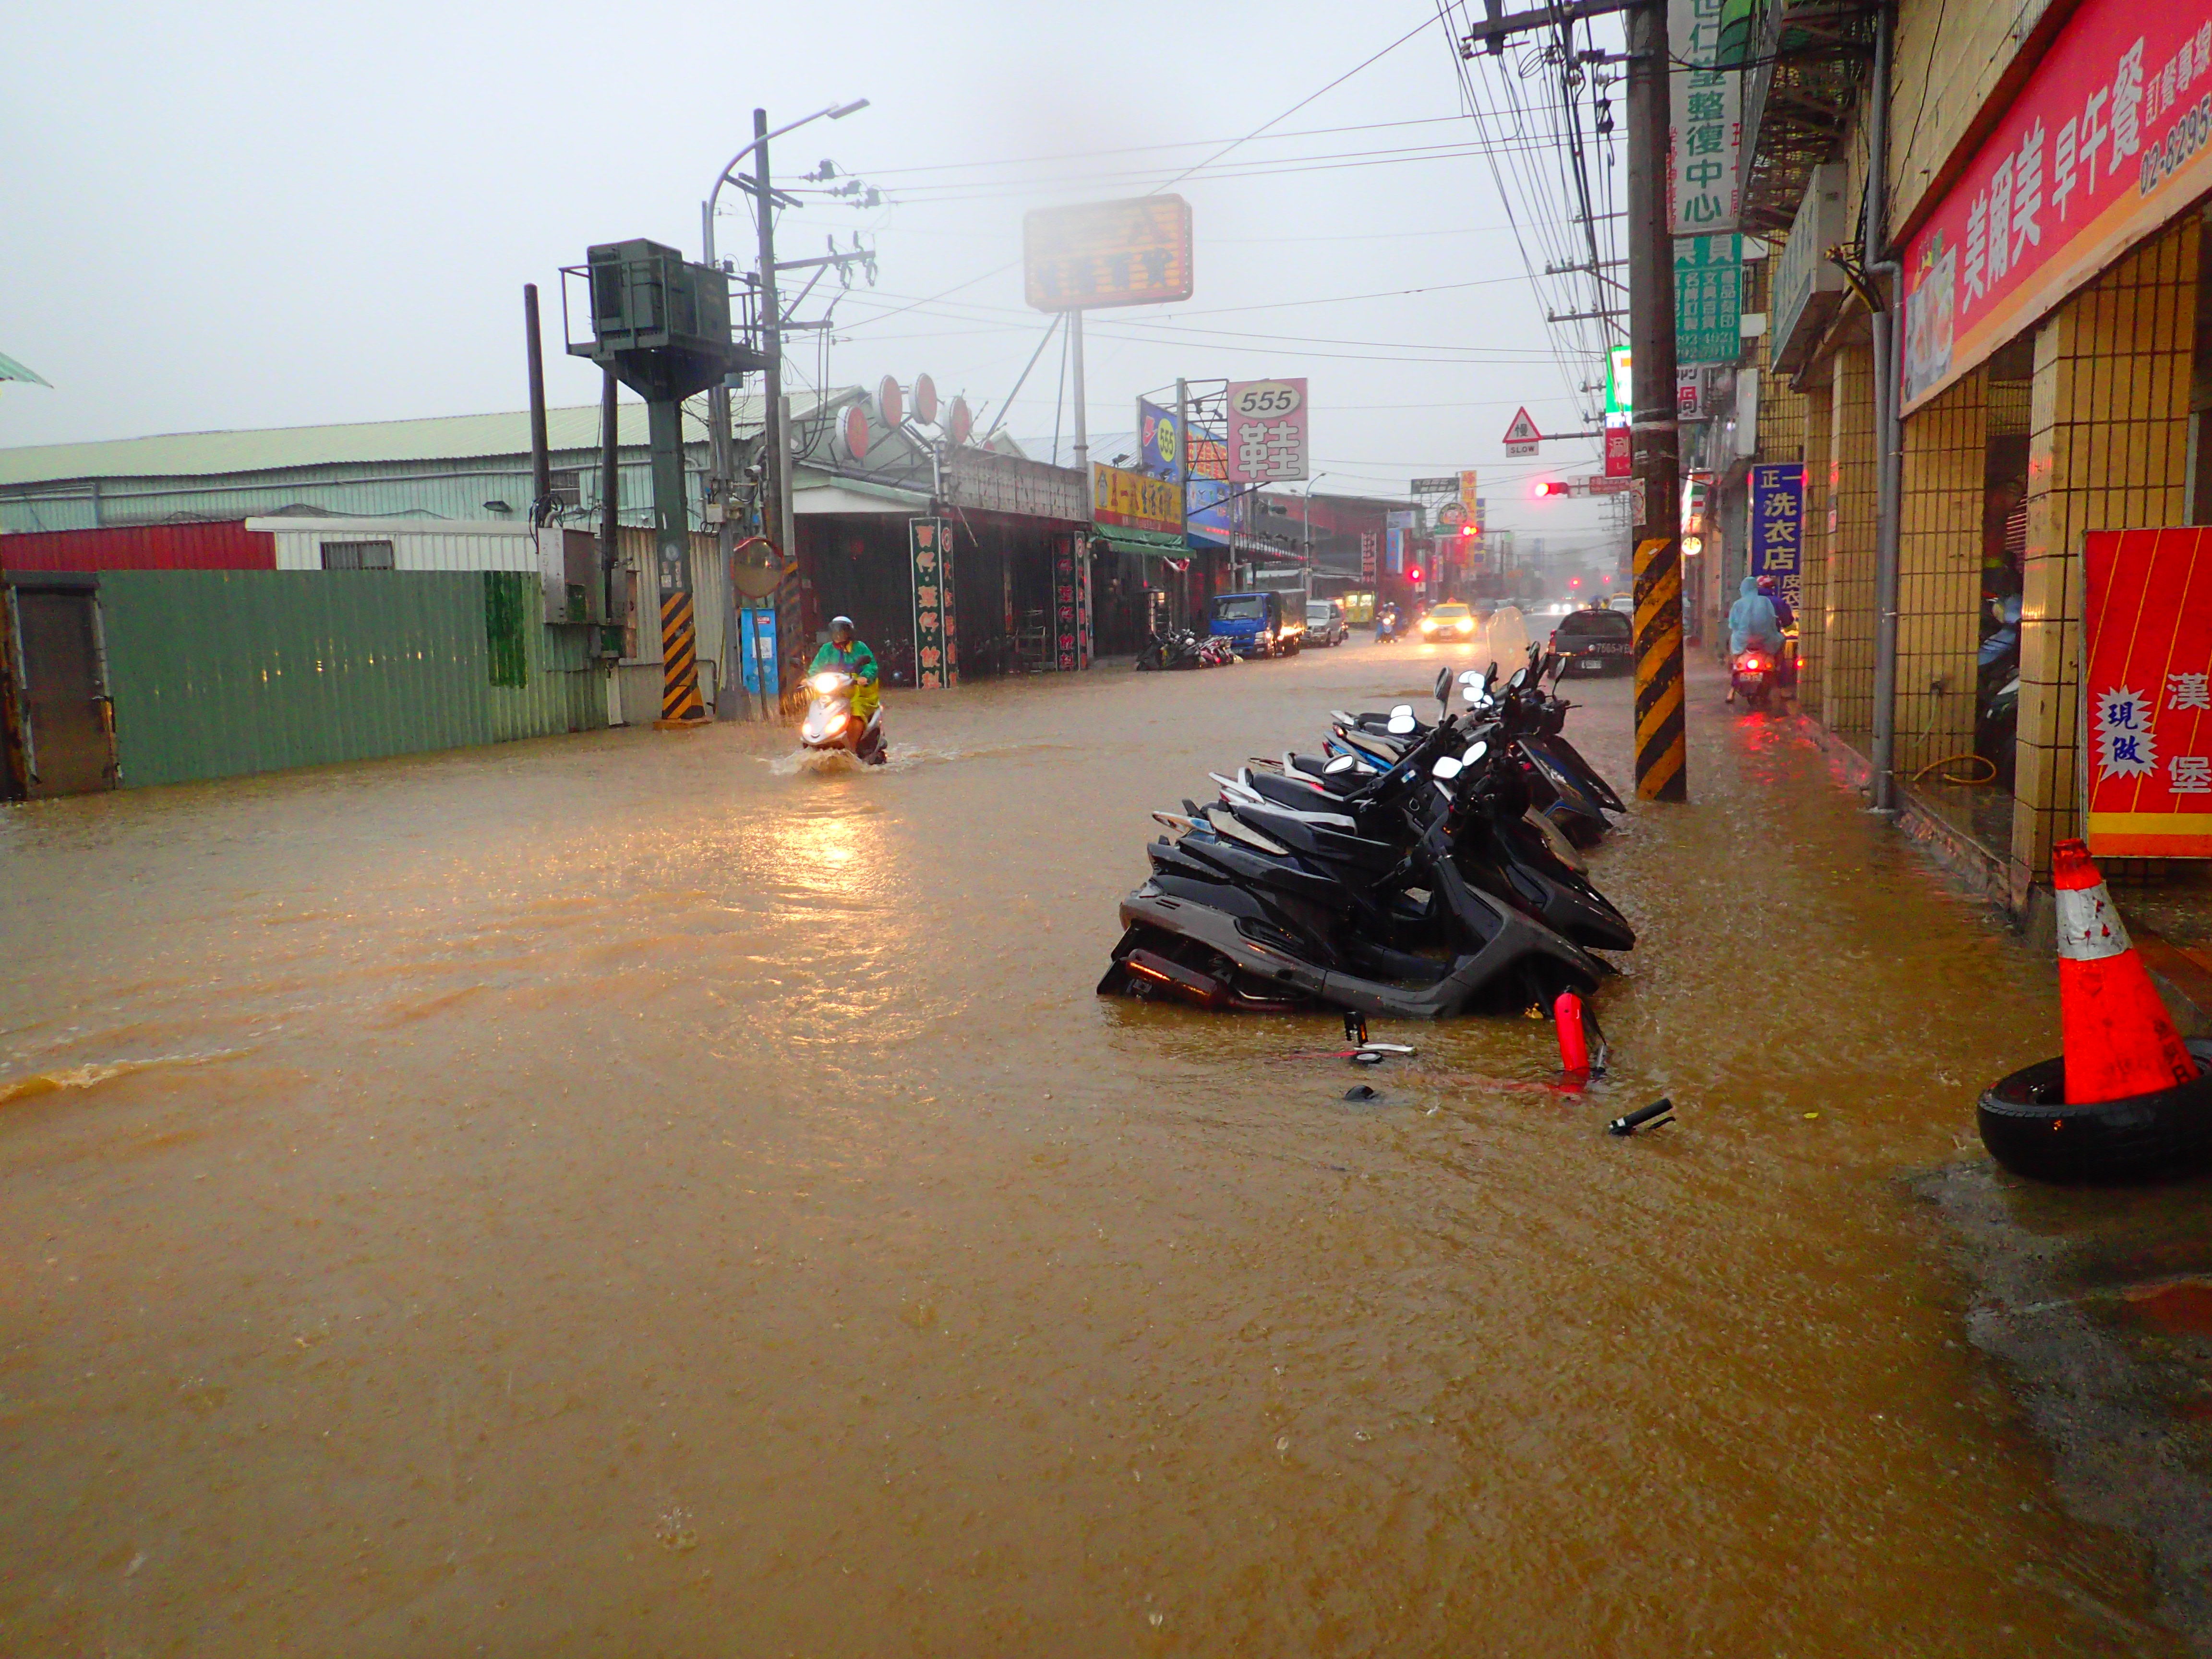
column 1310, row 482
column 777, row 470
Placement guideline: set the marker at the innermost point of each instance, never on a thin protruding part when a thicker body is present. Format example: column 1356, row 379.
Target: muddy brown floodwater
column 620, row 1195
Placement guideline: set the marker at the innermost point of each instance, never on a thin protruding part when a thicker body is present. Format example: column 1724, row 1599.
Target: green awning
column 1153, row 543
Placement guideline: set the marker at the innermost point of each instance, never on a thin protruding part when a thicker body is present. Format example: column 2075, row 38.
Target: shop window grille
column 357, row 556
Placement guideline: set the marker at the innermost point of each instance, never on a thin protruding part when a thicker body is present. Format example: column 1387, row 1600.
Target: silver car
column 1325, row 623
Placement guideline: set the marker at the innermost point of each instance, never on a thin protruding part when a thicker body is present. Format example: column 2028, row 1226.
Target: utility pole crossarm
column 1491, row 32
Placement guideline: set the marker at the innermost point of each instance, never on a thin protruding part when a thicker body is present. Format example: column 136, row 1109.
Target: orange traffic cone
column 2120, row 1040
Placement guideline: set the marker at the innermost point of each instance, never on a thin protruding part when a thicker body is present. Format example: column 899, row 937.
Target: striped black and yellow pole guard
column 1661, row 753
column 680, row 703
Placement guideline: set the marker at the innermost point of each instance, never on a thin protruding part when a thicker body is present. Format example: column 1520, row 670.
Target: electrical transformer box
column 646, row 297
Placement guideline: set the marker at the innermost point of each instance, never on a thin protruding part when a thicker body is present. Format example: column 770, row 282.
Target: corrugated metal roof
column 448, row 437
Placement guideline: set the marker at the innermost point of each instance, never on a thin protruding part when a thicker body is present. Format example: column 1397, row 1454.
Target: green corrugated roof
column 448, row 437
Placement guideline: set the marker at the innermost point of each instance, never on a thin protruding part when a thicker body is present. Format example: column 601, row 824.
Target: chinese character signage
column 1778, row 527
column 2146, row 629
column 1159, row 439
column 1367, row 540
column 1708, row 299
column 1135, row 500
column 1470, row 505
column 1399, row 528
column 1134, row 253
column 1705, row 124
column 2105, row 141
column 934, row 661
column 1618, row 454
column 1266, row 431
column 1071, row 605
column 1619, row 381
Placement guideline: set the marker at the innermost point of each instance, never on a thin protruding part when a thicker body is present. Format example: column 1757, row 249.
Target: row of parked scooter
column 1179, row 647
column 1412, row 870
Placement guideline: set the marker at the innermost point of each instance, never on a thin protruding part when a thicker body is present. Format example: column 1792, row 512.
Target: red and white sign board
column 2109, row 139
column 2148, row 676
column 1266, row 431
column 1522, row 437
column 1620, row 460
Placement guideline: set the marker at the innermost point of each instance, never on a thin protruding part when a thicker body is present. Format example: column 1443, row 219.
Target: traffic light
column 1414, row 574
column 1547, row 488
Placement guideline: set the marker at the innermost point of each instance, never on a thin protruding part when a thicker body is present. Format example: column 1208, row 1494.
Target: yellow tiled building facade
column 2084, row 421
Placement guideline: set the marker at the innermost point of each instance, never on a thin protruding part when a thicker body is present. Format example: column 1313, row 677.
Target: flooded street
column 620, row 1192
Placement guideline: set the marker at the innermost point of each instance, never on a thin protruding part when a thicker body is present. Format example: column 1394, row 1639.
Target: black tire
column 2028, row 1128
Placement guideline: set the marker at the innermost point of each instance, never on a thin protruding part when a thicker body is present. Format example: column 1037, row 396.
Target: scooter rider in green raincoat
column 844, row 650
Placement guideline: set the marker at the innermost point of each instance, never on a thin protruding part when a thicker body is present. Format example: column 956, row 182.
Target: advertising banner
column 1159, row 439
column 1367, row 556
column 1708, row 299
column 1704, row 124
column 1778, row 527
column 1620, row 458
column 1266, row 431
column 2147, row 628
column 1132, row 252
column 1470, row 504
column 934, row 661
column 1216, row 509
column 2104, row 142
column 1135, row 501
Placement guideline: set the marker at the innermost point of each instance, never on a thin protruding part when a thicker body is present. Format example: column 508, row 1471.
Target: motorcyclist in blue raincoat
column 1753, row 621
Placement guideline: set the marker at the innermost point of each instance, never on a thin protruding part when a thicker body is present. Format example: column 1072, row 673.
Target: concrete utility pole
column 775, row 510
column 1082, row 422
column 541, row 460
column 1662, row 754
column 1661, row 760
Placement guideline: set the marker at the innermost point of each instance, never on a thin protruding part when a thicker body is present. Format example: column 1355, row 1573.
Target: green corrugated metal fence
column 216, row 672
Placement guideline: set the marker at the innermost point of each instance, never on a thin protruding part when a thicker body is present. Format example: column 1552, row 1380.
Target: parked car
column 1326, row 624
column 1597, row 641
column 1263, row 624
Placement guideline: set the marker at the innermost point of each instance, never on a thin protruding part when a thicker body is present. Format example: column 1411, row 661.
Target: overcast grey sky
column 236, row 214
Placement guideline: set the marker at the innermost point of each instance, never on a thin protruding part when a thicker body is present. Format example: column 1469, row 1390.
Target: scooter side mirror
column 1446, row 768
column 1444, row 686
column 1520, row 678
column 1475, row 753
column 1341, row 764
column 1401, row 722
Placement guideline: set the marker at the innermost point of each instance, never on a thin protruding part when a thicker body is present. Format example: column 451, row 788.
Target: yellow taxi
column 1448, row 624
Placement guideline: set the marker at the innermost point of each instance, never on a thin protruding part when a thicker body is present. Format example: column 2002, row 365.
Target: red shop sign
column 2148, row 679
column 2107, row 140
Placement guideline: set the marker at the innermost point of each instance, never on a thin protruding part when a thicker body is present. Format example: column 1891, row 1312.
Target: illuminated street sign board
column 1133, row 253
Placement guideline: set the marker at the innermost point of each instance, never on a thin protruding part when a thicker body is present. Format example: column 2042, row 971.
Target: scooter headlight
column 827, row 681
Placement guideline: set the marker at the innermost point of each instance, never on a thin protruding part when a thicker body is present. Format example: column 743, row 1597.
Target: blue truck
column 1258, row 624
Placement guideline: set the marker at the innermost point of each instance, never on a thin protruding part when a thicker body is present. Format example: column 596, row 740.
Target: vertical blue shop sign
column 1778, row 527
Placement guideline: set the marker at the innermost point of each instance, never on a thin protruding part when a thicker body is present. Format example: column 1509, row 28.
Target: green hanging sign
column 1708, row 299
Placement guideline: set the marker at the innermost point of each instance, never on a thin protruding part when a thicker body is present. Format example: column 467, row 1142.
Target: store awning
column 1152, row 544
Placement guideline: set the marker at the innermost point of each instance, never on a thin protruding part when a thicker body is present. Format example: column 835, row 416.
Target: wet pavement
column 626, row 1192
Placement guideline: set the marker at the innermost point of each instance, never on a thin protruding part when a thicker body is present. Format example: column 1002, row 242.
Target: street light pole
column 776, row 457
column 1310, row 482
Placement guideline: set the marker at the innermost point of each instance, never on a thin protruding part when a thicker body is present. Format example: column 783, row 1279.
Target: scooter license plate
column 1590, row 665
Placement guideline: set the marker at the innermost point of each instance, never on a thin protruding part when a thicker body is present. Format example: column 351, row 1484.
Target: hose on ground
column 1948, row 760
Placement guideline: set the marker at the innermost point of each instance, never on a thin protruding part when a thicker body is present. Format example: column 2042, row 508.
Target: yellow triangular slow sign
column 1523, row 430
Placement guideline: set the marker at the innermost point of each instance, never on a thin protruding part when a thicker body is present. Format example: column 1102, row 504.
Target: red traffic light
column 1414, row 574
column 1574, row 581
column 1467, row 530
column 1549, row 487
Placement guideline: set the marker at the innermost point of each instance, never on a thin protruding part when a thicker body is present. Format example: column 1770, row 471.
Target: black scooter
column 1259, row 905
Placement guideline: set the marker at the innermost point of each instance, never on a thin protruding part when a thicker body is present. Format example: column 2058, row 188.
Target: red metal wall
column 229, row 546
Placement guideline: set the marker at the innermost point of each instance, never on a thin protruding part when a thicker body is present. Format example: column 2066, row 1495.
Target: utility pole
column 1661, row 751
column 541, row 462
column 1661, row 760
column 775, row 414
column 730, row 671
column 1082, row 422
